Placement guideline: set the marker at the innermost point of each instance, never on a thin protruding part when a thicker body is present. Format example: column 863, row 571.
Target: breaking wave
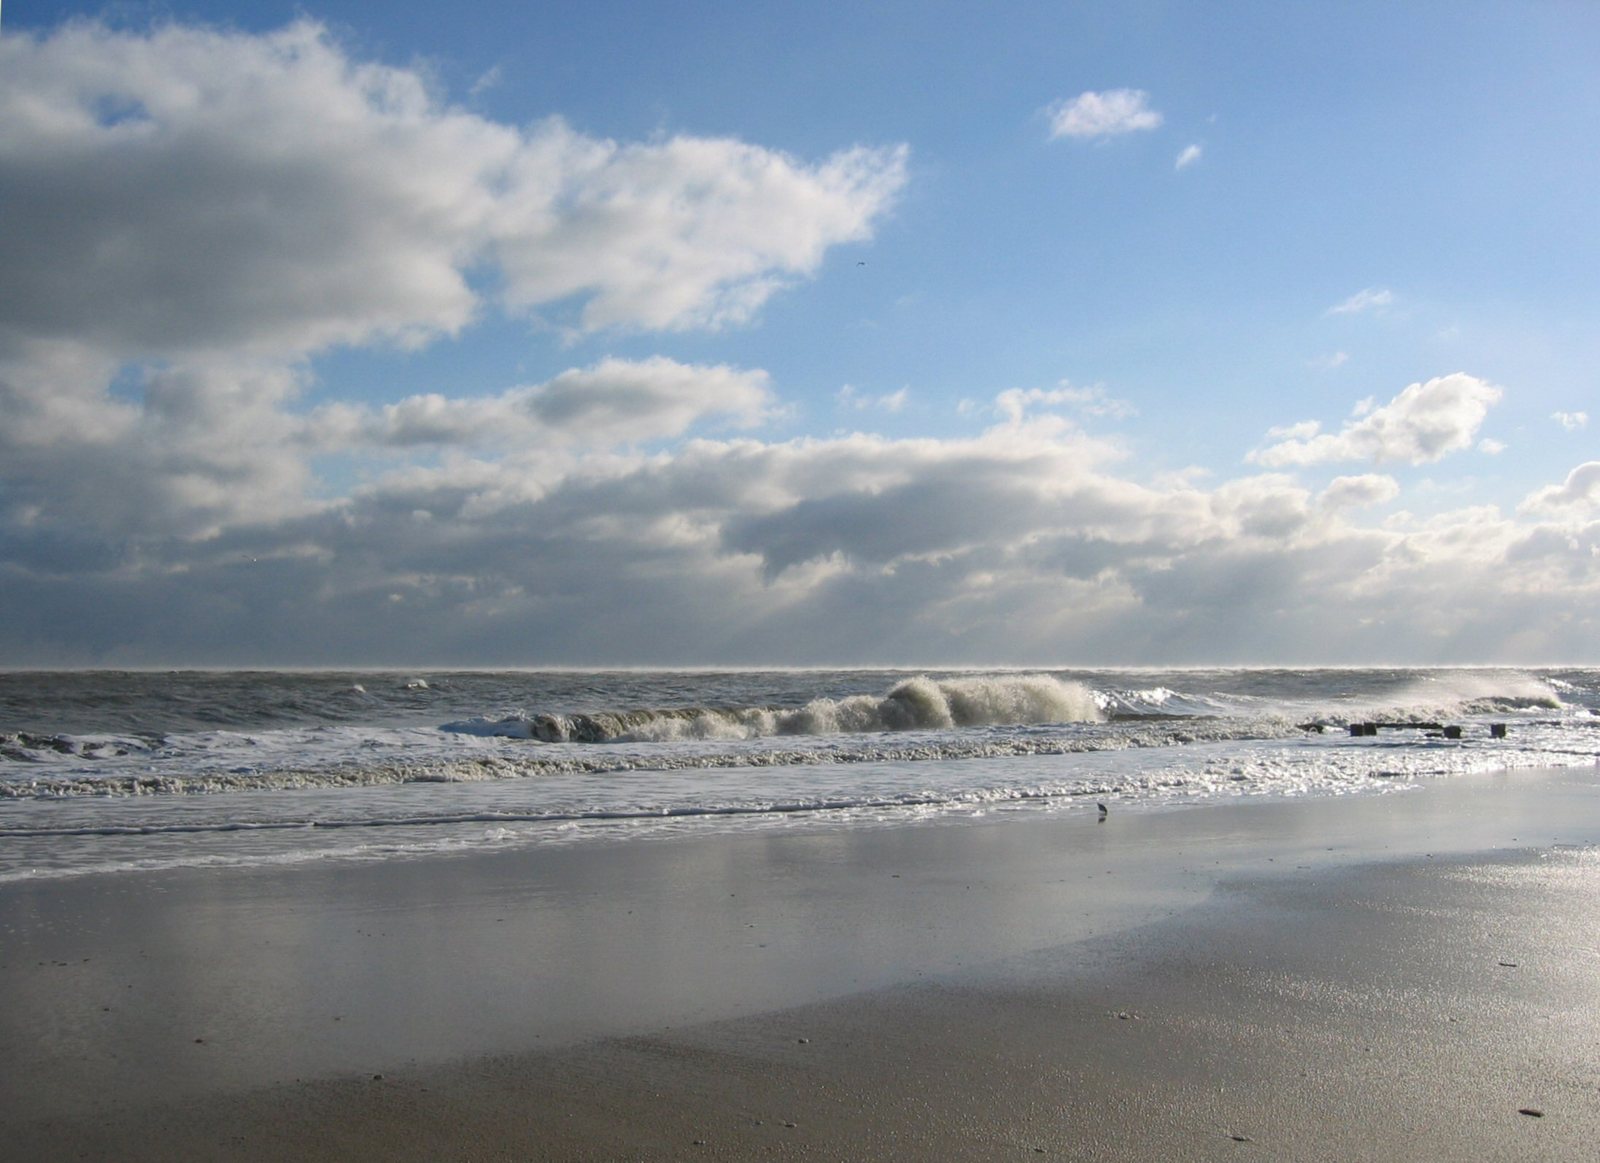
column 915, row 704
column 1453, row 694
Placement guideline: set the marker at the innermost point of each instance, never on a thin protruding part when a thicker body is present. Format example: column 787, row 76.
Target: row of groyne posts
column 1440, row 730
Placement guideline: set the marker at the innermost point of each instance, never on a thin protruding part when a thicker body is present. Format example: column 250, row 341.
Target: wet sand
column 1368, row 978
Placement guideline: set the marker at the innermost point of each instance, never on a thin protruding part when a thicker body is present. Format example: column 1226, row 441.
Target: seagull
column 1104, row 811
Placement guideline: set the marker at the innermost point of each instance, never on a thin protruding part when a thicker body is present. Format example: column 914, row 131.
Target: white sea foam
column 71, row 837
column 276, row 760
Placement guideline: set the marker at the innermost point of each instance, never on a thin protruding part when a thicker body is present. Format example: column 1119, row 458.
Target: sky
column 729, row 334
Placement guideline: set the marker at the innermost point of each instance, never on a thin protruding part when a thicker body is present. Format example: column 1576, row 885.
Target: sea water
column 107, row 772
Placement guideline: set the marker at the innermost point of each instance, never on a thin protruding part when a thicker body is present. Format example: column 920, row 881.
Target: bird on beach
column 1104, row 811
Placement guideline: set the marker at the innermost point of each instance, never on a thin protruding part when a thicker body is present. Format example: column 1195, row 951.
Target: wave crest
column 913, row 704
column 1450, row 695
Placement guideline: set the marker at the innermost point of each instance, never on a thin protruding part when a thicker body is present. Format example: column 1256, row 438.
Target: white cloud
column 848, row 397
column 489, row 79
column 1370, row 299
column 1190, row 155
column 1581, row 490
column 1094, row 400
column 1571, row 421
column 190, row 189
column 614, row 402
column 1359, row 492
column 202, row 443
column 1102, row 114
column 1304, row 430
column 191, row 214
column 1489, row 446
column 684, row 233
column 1272, row 506
column 1424, row 423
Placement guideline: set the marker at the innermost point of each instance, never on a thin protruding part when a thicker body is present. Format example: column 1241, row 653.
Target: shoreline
column 595, row 1001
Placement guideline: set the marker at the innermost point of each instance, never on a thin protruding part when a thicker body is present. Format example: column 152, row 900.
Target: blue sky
column 892, row 333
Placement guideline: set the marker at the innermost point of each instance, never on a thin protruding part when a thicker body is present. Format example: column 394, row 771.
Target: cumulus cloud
column 1370, row 299
column 1189, row 155
column 1424, row 423
column 190, row 215
column 186, row 448
column 1102, row 114
column 685, row 233
column 1581, row 490
column 1571, row 421
column 190, row 189
column 1359, row 492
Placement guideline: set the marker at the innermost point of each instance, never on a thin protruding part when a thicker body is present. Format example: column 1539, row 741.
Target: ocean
column 109, row 772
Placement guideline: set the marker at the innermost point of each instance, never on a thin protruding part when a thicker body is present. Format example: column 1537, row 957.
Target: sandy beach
column 1400, row 976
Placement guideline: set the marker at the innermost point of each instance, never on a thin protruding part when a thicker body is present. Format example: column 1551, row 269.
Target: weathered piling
column 1446, row 730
